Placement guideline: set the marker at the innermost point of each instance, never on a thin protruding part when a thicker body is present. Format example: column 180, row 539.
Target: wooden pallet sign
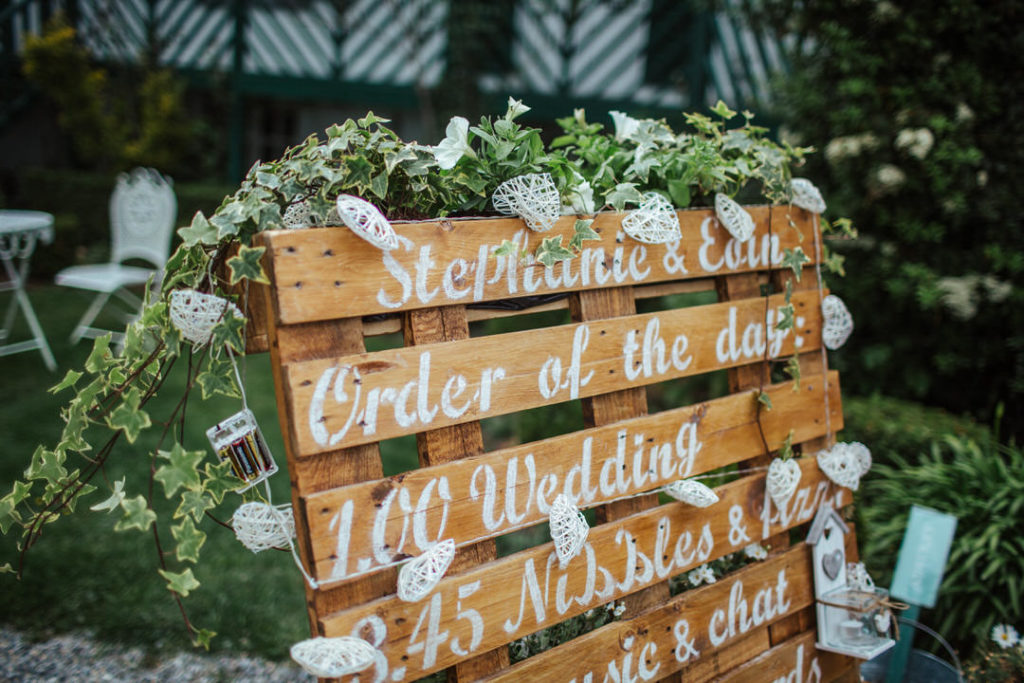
column 630, row 327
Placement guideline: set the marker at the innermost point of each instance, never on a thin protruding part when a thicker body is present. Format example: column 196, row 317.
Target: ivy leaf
column 128, row 416
column 219, row 480
column 551, row 251
column 69, row 380
column 624, row 193
column 6, row 568
column 46, row 464
column 581, row 231
column 370, row 119
column 679, row 191
column 99, row 357
column 213, row 382
column 794, row 259
column 793, row 370
column 181, row 583
column 194, row 503
column 180, row 471
column 203, row 638
column 379, row 184
column 190, row 540
column 786, row 451
column 229, row 330
column 834, row 264
column 723, row 110
column 396, row 157
column 137, row 515
column 507, row 248
column 765, row 400
column 785, row 318
column 115, row 500
column 360, row 172
column 246, row 265
column 201, row 231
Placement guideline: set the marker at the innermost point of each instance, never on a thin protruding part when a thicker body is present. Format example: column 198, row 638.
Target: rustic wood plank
column 452, row 262
column 447, row 444
column 527, row 591
column 525, row 478
column 360, row 398
column 684, row 632
column 794, row 660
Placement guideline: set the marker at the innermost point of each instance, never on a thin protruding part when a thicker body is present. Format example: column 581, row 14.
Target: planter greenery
column 108, row 408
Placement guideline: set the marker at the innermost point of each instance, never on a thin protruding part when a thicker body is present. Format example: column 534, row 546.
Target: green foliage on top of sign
column 590, row 168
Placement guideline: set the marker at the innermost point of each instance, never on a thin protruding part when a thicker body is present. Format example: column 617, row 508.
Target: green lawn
column 83, row 575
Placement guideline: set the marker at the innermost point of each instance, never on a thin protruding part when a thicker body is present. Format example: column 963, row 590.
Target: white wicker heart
column 533, row 197
column 734, row 217
column 805, row 195
column 366, row 220
column 195, row 314
column 845, row 463
column 260, row 526
column 299, row 216
column 333, row 657
column 782, row 480
column 837, row 323
column 569, row 529
column 421, row 575
column 692, row 492
column 655, row 221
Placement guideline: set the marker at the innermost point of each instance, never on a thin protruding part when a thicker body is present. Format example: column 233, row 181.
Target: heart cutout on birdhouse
column 845, row 463
column 655, row 221
column 832, row 563
column 837, row 323
column 734, row 217
column 783, row 478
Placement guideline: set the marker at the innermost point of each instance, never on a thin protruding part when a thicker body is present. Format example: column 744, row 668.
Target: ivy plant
column 109, row 396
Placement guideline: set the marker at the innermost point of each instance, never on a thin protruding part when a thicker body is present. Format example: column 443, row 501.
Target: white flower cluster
column 755, row 551
column 916, row 142
column 889, row 178
column 849, row 146
column 1005, row 636
column 961, row 295
column 701, row 574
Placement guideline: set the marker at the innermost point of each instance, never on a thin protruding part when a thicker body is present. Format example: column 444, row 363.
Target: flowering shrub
column 1000, row 661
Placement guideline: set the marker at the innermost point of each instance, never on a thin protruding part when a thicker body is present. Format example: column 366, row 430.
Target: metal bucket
column 922, row 667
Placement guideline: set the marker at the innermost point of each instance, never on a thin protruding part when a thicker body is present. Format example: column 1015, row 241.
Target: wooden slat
column 452, row 262
column 449, row 444
column 686, row 630
column 794, row 660
column 694, row 439
column 496, row 597
column 499, row 374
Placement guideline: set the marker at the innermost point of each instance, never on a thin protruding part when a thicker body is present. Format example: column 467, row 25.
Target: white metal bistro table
column 20, row 231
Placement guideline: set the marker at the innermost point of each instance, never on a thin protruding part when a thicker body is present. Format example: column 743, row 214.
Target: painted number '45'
column 427, row 637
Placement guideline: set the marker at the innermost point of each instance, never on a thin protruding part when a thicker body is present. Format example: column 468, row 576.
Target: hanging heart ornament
column 883, row 620
column 333, row 657
column 655, row 221
column 734, row 217
column 421, row 575
column 366, row 220
column 569, row 529
column 805, row 195
column 533, row 197
column 836, row 322
column 845, row 463
column 692, row 492
column 783, row 478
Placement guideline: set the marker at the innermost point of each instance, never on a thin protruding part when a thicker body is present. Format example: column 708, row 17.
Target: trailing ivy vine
column 591, row 168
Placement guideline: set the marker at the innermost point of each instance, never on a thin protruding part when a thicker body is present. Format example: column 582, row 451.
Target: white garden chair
column 143, row 209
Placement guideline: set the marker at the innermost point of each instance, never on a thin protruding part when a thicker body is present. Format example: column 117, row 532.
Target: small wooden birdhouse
column 853, row 617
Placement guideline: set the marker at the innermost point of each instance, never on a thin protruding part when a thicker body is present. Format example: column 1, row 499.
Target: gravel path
column 78, row 657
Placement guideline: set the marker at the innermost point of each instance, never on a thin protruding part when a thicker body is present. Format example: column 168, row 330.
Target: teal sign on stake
column 922, row 558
